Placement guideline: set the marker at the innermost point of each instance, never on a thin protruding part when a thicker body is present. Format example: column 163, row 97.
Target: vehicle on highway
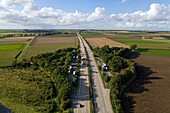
column 82, row 62
column 104, row 67
column 70, row 67
column 74, row 72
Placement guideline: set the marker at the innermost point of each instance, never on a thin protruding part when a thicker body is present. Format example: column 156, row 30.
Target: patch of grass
column 12, row 47
column 8, row 53
column 154, row 52
column 6, row 57
column 92, row 34
column 17, row 107
column 18, row 89
column 124, row 37
column 34, row 50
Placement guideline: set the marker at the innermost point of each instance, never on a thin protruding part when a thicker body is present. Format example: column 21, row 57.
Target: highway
column 100, row 94
column 82, row 96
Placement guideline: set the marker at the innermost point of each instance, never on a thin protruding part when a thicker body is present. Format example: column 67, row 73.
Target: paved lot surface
column 82, row 96
column 101, row 96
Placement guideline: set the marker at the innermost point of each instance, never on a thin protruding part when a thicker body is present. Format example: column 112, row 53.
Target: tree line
column 122, row 71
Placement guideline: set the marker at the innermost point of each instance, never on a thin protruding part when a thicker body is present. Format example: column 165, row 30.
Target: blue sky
column 85, row 14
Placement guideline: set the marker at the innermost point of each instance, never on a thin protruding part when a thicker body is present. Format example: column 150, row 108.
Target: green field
column 6, row 57
column 2, row 40
column 16, row 34
column 34, row 50
column 124, row 37
column 149, row 44
column 155, row 52
column 8, row 53
column 12, row 47
column 151, row 47
column 92, row 34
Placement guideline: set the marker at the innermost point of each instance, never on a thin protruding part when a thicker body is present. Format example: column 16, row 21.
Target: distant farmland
column 45, row 44
column 95, row 41
column 10, row 47
column 54, row 40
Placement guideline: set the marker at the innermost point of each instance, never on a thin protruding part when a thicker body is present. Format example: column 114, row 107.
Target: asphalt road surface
column 100, row 94
column 81, row 99
column 4, row 109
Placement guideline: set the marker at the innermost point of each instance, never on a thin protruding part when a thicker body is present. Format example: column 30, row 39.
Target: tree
column 133, row 47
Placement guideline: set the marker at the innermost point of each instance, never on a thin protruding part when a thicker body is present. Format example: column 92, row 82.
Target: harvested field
column 94, row 42
column 159, row 38
column 19, row 38
column 127, row 39
column 115, row 35
column 15, row 42
column 54, row 40
column 149, row 92
column 94, row 37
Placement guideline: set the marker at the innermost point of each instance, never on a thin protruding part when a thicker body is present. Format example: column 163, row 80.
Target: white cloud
column 31, row 15
column 157, row 12
column 123, row 1
column 129, row 25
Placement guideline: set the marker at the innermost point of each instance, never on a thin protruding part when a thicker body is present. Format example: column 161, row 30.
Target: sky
column 85, row 14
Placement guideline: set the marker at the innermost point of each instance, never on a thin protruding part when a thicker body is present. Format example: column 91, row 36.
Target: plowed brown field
column 150, row 91
column 101, row 41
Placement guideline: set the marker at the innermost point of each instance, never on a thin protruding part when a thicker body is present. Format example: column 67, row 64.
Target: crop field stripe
column 92, row 34
column 11, row 47
column 153, row 52
column 2, row 40
column 124, row 37
column 137, row 42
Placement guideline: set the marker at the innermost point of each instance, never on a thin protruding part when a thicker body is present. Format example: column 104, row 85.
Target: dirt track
column 94, row 42
column 149, row 92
